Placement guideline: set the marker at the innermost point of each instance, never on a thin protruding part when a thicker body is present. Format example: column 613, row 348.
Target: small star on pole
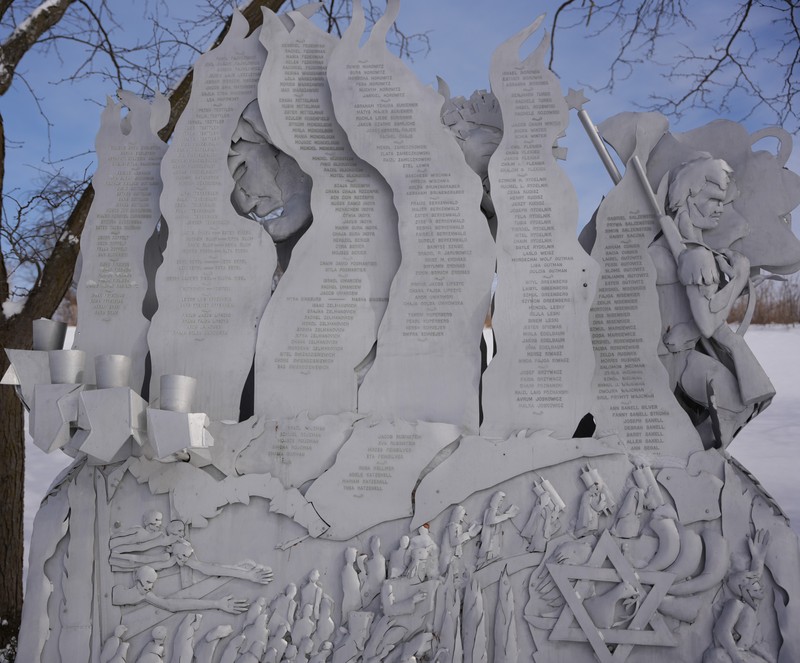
column 575, row 99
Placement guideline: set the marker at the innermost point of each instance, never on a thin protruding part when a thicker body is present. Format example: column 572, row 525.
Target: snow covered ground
column 769, row 447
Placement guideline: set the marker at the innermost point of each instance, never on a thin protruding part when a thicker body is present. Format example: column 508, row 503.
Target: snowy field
column 768, row 447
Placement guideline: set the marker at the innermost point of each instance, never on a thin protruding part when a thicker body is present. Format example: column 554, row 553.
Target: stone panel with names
column 541, row 376
column 218, row 266
column 631, row 385
column 428, row 355
column 380, row 462
column 122, row 218
column 323, row 319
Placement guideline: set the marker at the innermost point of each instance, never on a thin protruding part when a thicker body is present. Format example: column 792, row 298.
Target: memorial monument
column 287, row 443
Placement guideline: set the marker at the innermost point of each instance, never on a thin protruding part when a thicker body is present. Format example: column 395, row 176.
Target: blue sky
column 463, row 35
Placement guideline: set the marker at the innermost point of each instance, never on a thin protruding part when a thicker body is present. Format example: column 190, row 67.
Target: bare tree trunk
column 12, row 488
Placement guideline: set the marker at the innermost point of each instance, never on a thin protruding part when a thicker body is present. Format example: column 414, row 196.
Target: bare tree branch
column 727, row 72
column 27, row 33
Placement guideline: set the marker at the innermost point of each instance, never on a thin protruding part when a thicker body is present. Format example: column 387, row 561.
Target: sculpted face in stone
column 182, row 551
column 177, row 528
column 697, row 195
column 153, row 521
column 270, row 187
column 145, row 579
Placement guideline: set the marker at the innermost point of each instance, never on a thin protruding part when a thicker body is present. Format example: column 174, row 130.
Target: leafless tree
column 749, row 59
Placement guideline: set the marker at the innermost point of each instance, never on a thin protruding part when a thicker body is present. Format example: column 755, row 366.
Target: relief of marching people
column 622, row 561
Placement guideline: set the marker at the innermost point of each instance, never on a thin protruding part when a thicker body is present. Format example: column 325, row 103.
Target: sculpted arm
column 257, row 574
column 710, row 304
column 226, row 604
column 723, row 629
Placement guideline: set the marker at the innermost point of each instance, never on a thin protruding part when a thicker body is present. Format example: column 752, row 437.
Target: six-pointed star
column 621, row 571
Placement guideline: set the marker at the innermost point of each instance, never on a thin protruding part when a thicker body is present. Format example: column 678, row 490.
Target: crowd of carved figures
column 422, row 598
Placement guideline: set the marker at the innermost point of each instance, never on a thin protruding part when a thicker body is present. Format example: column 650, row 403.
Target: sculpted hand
column 262, row 574
column 758, row 546
column 733, row 264
column 232, row 605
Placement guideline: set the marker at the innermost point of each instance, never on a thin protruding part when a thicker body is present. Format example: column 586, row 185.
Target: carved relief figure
column 258, row 629
column 375, row 572
column 253, row 654
column 150, row 530
column 284, row 608
column 153, row 651
column 255, row 610
column 304, row 625
column 491, row 537
column 644, row 495
column 325, row 624
column 270, row 187
column 183, row 644
column 424, row 556
column 351, row 587
column 323, row 654
column 392, row 607
column 593, row 502
column 398, row 560
column 311, row 592
column 737, row 636
column 111, row 646
column 182, row 554
column 545, row 519
column 127, row 554
column 477, row 126
column 278, row 641
column 698, row 287
column 596, row 500
column 142, row 592
column 455, row 537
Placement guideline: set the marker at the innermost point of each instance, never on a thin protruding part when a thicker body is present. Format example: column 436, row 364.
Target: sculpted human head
column 177, row 528
column 747, row 585
column 497, row 498
column 698, row 191
column 152, row 520
column 145, row 577
column 267, row 182
column 182, row 550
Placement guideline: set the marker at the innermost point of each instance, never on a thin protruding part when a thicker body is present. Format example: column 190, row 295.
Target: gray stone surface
column 380, row 462
column 428, row 354
column 323, row 319
column 217, row 272
column 123, row 216
column 541, row 374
